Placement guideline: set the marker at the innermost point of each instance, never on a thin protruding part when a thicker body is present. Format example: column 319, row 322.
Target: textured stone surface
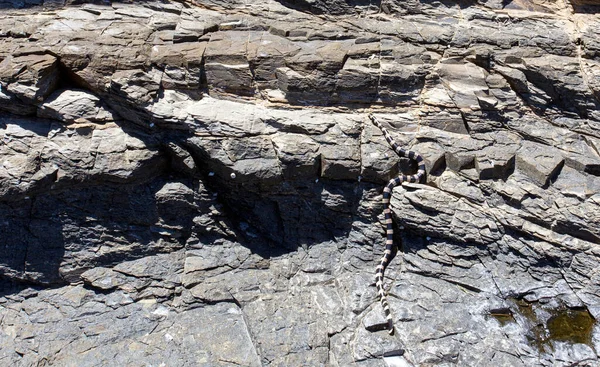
column 196, row 183
column 75, row 106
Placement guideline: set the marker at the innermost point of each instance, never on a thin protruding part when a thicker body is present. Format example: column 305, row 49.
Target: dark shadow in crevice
column 18, row 291
column 585, row 6
column 282, row 215
column 53, row 230
column 31, row 248
column 52, row 237
column 54, row 4
column 332, row 7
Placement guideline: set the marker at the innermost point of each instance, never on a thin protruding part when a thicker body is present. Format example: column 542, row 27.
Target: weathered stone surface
column 298, row 154
column 198, row 183
column 26, row 80
column 540, row 163
column 72, row 106
column 41, row 156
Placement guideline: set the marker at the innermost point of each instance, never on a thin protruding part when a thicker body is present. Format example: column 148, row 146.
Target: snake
column 387, row 213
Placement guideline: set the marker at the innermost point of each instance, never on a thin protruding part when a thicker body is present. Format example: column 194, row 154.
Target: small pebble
column 317, row 180
column 152, row 124
column 359, row 178
column 428, row 238
column 210, row 174
column 232, row 175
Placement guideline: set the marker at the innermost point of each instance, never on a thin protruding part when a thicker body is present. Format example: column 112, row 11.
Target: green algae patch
column 546, row 325
column 571, row 325
column 537, row 332
column 503, row 315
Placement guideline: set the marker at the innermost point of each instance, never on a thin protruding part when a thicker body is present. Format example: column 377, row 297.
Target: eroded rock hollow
column 196, row 183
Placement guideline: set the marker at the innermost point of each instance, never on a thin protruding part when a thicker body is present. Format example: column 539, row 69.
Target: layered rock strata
column 197, row 182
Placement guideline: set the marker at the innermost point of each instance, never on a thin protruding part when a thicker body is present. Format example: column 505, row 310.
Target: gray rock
column 299, row 154
column 103, row 278
column 27, row 79
column 73, row 106
column 497, row 160
column 465, row 82
column 541, row 164
column 226, row 64
column 198, row 182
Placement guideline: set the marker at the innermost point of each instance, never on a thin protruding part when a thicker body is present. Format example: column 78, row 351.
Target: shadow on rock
column 52, row 238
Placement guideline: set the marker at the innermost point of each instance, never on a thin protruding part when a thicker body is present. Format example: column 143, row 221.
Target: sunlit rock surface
column 196, row 183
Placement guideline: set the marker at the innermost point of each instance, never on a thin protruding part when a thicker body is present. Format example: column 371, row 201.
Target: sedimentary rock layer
column 197, row 182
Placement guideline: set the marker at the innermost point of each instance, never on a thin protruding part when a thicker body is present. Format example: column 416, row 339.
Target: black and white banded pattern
column 387, row 193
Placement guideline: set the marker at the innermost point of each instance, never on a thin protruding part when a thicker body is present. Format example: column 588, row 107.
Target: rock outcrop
column 197, row 182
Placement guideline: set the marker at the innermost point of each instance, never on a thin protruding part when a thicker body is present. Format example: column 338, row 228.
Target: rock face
column 196, row 183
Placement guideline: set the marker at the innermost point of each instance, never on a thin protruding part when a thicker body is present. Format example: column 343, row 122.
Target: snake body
column 387, row 193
